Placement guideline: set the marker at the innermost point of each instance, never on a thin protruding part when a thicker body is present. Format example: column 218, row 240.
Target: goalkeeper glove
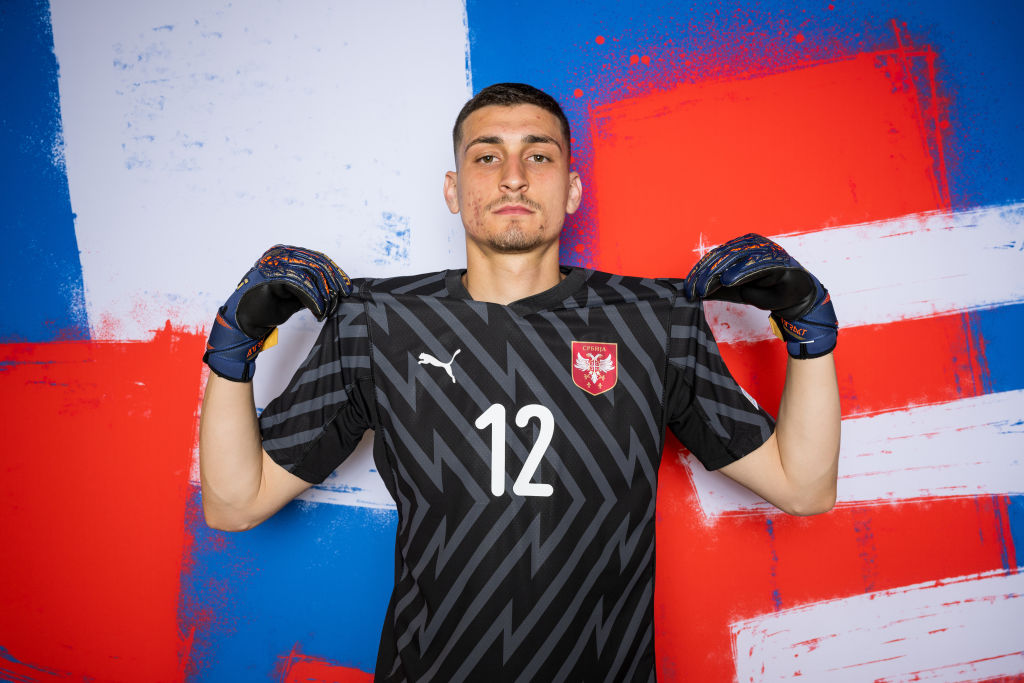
column 754, row 270
column 283, row 280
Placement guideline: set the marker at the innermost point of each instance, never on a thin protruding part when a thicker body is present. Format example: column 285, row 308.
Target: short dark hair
column 509, row 95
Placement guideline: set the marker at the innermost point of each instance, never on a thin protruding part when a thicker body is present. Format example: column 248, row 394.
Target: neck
column 504, row 278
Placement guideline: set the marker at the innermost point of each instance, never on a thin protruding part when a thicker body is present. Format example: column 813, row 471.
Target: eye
column 539, row 158
column 486, row 159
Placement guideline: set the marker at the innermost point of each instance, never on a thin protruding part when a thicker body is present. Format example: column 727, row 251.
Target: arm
column 796, row 469
column 241, row 485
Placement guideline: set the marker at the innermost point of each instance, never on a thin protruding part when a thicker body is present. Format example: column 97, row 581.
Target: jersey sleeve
column 319, row 419
column 706, row 409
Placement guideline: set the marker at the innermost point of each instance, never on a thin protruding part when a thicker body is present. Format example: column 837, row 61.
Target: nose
column 513, row 175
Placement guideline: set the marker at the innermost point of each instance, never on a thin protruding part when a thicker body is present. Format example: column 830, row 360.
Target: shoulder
column 644, row 294
column 605, row 289
column 352, row 309
column 423, row 284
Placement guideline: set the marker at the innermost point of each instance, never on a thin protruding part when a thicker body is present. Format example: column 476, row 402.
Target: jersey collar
column 549, row 298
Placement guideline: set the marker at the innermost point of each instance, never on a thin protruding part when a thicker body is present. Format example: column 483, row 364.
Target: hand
column 284, row 280
column 754, row 270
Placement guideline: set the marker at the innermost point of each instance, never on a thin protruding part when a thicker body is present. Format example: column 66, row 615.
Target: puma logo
column 430, row 360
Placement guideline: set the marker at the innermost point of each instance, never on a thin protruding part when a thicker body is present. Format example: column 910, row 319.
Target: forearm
column 808, row 433
column 230, row 453
column 242, row 485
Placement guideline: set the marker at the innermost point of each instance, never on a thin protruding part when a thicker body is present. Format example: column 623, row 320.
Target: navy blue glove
column 754, row 270
column 284, row 280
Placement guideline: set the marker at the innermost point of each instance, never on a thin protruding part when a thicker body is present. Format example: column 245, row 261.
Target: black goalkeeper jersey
column 521, row 445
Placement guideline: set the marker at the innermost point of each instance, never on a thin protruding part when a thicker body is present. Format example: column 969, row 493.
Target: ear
column 572, row 202
column 451, row 191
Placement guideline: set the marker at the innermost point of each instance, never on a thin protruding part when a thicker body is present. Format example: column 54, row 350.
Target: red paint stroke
column 299, row 668
column 93, row 492
column 713, row 573
column 880, row 367
column 832, row 143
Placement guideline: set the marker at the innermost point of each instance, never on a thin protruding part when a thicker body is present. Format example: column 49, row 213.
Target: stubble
column 514, row 239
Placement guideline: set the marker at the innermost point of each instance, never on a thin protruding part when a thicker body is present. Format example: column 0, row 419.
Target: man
column 520, row 410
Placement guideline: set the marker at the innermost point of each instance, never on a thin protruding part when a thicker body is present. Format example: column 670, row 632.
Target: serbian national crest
column 595, row 366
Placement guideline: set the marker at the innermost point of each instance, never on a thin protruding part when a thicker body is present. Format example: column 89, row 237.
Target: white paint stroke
column 961, row 629
column 916, row 266
column 972, row 446
column 199, row 133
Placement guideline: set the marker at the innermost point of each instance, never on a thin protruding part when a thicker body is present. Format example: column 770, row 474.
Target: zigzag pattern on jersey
column 306, row 415
column 511, row 587
column 491, row 584
column 735, row 418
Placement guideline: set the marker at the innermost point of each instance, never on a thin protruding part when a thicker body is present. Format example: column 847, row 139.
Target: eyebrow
column 527, row 139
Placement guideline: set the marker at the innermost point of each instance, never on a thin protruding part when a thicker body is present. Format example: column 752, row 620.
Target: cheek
column 474, row 204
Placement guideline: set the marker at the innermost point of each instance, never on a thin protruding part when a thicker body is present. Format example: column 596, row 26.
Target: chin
column 518, row 244
column 514, row 240
column 518, row 248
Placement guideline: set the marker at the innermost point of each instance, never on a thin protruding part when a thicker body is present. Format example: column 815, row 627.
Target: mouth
column 514, row 205
column 513, row 210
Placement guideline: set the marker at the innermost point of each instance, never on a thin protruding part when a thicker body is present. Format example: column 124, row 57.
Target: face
column 512, row 185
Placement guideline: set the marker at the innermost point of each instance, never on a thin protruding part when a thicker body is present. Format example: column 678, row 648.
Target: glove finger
column 313, row 286
column 700, row 285
column 332, row 283
column 715, row 268
column 330, row 280
column 752, row 259
column 703, row 277
column 340, row 281
column 324, row 273
column 315, row 279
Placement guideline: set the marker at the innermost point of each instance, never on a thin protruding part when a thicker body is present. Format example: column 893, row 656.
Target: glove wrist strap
column 814, row 334
column 230, row 352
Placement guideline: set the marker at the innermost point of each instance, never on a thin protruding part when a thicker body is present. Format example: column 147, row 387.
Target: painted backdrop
column 149, row 152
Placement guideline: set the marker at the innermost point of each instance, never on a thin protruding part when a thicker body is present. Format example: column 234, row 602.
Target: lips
column 513, row 210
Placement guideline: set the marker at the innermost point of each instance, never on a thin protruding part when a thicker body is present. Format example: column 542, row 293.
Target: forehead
column 511, row 123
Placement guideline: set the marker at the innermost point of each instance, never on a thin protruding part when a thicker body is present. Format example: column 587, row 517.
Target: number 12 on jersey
column 494, row 417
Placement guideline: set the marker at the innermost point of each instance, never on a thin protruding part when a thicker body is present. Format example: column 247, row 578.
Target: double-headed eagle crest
column 594, row 365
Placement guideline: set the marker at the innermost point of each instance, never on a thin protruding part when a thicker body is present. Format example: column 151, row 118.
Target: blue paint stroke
column 11, row 669
column 41, row 281
column 1015, row 511
column 1005, row 544
column 314, row 576
column 776, row 595
column 395, row 239
column 996, row 333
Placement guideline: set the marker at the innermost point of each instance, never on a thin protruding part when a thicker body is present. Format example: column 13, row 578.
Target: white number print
column 494, row 417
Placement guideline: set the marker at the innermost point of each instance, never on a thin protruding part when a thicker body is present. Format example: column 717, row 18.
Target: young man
column 520, row 410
